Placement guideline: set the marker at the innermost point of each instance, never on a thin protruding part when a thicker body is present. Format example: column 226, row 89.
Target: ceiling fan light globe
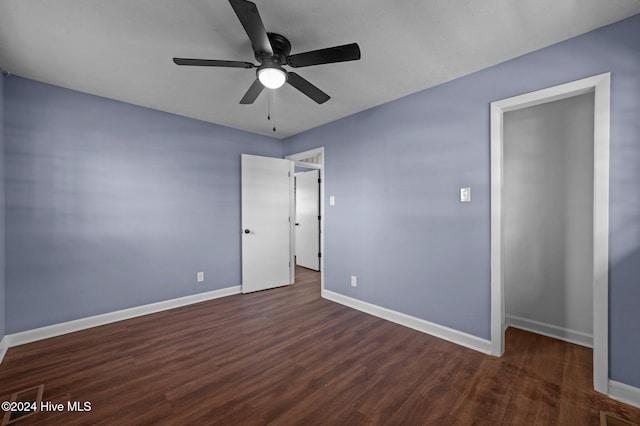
column 272, row 78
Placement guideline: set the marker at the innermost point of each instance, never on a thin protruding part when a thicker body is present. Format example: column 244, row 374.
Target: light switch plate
column 332, row 200
column 465, row 195
column 200, row 277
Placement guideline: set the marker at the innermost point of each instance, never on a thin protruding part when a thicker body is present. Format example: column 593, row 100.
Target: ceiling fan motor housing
column 281, row 48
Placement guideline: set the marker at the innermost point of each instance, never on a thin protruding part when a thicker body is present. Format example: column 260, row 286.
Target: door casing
column 600, row 85
column 297, row 159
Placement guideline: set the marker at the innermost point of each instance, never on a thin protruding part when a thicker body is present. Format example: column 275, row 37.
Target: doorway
column 307, row 218
column 599, row 87
column 313, row 160
column 548, row 199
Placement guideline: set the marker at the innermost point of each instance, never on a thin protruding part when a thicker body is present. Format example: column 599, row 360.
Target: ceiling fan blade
column 253, row 93
column 249, row 17
column 307, row 88
column 346, row 52
column 212, row 63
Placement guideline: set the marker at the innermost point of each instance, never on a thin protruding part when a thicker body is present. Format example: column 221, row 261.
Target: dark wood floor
column 287, row 357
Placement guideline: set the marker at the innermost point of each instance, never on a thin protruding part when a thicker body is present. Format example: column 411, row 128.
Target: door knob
column 297, row 224
column 246, row 231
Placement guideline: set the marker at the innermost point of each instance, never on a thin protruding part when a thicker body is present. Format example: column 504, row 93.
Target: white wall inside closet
column 548, row 222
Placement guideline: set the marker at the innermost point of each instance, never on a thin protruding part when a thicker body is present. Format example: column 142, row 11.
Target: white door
column 266, row 208
column 307, row 227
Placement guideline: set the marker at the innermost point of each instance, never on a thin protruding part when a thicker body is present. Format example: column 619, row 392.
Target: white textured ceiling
column 123, row 49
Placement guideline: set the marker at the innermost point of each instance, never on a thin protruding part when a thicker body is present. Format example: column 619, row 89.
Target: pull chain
column 274, row 107
column 272, row 98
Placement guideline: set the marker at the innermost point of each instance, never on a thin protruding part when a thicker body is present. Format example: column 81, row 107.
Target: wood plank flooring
column 288, row 357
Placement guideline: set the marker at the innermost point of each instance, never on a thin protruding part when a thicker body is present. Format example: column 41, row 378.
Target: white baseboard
column 624, row 393
column 445, row 333
column 4, row 346
column 571, row 336
column 29, row 336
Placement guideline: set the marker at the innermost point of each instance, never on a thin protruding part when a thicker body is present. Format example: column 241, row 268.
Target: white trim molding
column 436, row 330
column 4, row 346
column 296, row 158
column 600, row 86
column 300, row 156
column 54, row 330
column 550, row 330
column 624, row 393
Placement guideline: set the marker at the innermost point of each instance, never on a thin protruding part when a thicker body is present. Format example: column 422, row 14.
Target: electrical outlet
column 200, row 277
column 354, row 281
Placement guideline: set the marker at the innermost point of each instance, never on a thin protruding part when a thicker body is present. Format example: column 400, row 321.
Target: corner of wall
column 2, row 256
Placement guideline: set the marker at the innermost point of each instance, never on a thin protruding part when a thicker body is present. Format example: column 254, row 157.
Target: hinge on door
column 319, row 180
column 319, row 254
column 318, row 217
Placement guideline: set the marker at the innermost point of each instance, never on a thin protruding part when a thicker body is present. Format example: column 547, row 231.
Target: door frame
column 600, row 85
column 316, row 190
column 297, row 160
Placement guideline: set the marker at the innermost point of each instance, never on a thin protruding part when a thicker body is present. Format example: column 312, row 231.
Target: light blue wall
column 110, row 206
column 2, row 280
column 396, row 170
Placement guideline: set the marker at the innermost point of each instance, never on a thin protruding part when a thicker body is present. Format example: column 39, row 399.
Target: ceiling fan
column 272, row 50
